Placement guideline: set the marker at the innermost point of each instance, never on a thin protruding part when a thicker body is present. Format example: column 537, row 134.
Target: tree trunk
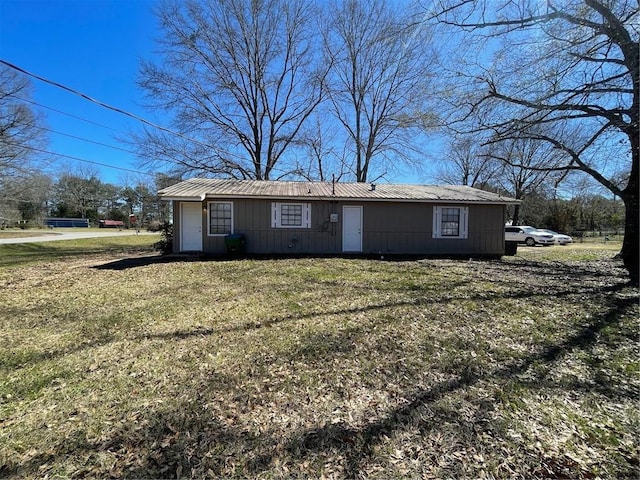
column 631, row 244
column 516, row 215
column 630, row 196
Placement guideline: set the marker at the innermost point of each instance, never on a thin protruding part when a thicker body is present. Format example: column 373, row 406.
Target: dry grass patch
column 18, row 255
column 525, row 367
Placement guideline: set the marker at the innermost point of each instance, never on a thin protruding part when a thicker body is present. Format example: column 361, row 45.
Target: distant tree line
column 594, row 214
column 83, row 195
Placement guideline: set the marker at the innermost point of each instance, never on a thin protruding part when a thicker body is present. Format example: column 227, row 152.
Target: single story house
column 281, row 217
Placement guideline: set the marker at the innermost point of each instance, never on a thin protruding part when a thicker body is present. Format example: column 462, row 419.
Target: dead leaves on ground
column 324, row 368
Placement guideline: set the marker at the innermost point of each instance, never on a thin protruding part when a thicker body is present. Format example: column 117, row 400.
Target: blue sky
column 92, row 46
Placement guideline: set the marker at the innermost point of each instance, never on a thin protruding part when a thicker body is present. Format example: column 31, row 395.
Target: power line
column 172, row 160
column 71, row 157
column 104, row 105
column 63, row 113
column 83, row 139
column 115, row 109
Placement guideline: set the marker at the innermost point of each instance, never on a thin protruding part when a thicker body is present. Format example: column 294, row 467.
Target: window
column 291, row 215
column 220, row 218
column 450, row 222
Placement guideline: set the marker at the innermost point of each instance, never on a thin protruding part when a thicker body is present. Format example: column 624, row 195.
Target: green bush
column 165, row 245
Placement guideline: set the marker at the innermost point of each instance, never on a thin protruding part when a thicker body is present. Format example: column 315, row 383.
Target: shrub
column 165, row 245
column 155, row 226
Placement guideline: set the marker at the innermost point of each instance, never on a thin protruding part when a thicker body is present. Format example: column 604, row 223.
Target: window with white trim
column 220, row 218
column 290, row 215
column 450, row 222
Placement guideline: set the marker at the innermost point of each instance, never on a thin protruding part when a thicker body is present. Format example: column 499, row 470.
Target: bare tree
column 572, row 65
column 467, row 163
column 20, row 132
column 239, row 79
column 377, row 80
column 25, row 197
column 323, row 156
column 526, row 167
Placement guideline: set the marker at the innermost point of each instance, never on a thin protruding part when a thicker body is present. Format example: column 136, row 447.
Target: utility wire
column 102, row 104
column 115, row 109
column 63, row 113
column 71, row 157
column 172, row 160
column 82, row 139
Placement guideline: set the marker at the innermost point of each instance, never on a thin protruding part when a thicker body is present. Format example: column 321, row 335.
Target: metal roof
column 198, row 189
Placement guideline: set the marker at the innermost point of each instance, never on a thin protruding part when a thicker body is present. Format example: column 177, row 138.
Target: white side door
column 190, row 227
column 351, row 228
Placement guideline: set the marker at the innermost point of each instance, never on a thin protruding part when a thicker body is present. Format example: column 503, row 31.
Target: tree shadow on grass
column 428, row 296
column 172, row 441
column 189, row 435
column 145, row 261
column 356, row 444
column 22, row 254
column 167, row 440
column 15, row 255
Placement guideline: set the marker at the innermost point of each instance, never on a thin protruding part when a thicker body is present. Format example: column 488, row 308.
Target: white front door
column 351, row 229
column 190, row 227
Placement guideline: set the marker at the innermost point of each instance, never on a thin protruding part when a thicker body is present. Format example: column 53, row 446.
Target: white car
column 559, row 238
column 527, row 235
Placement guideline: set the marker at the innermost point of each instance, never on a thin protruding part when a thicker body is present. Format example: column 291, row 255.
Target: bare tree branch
column 572, row 67
column 241, row 76
column 377, row 77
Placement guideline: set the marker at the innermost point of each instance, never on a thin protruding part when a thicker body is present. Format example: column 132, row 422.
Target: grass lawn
column 527, row 367
column 19, row 255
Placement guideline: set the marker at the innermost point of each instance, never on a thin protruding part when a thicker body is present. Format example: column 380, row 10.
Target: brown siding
column 253, row 219
column 388, row 227
column 408, row 228
column 177, row 222
column 397, row 228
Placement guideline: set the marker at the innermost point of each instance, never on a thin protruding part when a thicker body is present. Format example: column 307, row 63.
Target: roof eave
column 211, row 196
column 179, row 198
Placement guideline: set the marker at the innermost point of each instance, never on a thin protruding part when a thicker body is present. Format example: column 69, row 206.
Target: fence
column 597, row 235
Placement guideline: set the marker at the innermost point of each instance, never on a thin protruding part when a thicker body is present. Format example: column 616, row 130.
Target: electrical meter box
column 333, row 218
